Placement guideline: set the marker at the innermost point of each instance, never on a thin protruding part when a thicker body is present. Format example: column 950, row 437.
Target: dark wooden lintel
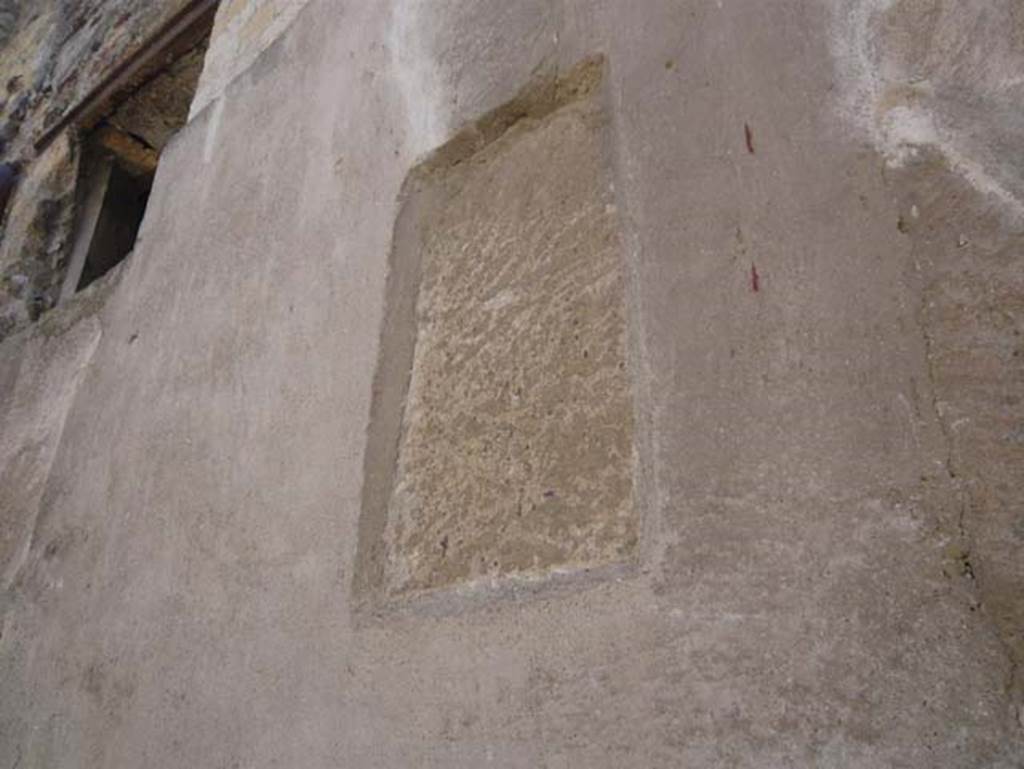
column 175, row 38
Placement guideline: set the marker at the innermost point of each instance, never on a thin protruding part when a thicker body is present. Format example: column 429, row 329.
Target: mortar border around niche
column 539, row 99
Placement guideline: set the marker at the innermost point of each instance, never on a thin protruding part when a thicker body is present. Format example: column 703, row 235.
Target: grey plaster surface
column 802, row 597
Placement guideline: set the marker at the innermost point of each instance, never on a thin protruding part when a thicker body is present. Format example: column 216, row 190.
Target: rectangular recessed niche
column 501, row 437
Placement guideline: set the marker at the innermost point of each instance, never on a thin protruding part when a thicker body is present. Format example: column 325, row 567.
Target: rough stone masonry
column 513, row 383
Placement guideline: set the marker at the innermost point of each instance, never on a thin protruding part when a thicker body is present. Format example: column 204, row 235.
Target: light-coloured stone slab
column 516, row 448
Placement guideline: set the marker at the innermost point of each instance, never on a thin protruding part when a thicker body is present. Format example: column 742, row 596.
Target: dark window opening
column 121, row 146
column 117, row 224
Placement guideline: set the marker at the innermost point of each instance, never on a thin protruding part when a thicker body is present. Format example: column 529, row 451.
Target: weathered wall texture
column 37, row 232
column 938, row 87
column 940, row 75
column 56, row 53
column 822, row 338
column 41, row 373
column 59, row 50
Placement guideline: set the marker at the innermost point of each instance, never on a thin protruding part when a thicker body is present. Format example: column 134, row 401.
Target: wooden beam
column 134, row 156
column 176, row 37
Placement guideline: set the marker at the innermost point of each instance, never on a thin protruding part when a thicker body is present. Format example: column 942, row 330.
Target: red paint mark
column 755, row 279
column 750, row 137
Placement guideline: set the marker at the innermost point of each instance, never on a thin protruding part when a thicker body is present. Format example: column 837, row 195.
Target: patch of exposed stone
column 53, row 53
column 515, row 455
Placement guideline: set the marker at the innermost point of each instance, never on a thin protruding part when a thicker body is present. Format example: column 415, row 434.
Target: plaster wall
column 244, row 29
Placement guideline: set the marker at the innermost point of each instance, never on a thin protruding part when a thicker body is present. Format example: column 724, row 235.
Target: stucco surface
column 244, row 29
column 800, row 597
column 41, row 373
